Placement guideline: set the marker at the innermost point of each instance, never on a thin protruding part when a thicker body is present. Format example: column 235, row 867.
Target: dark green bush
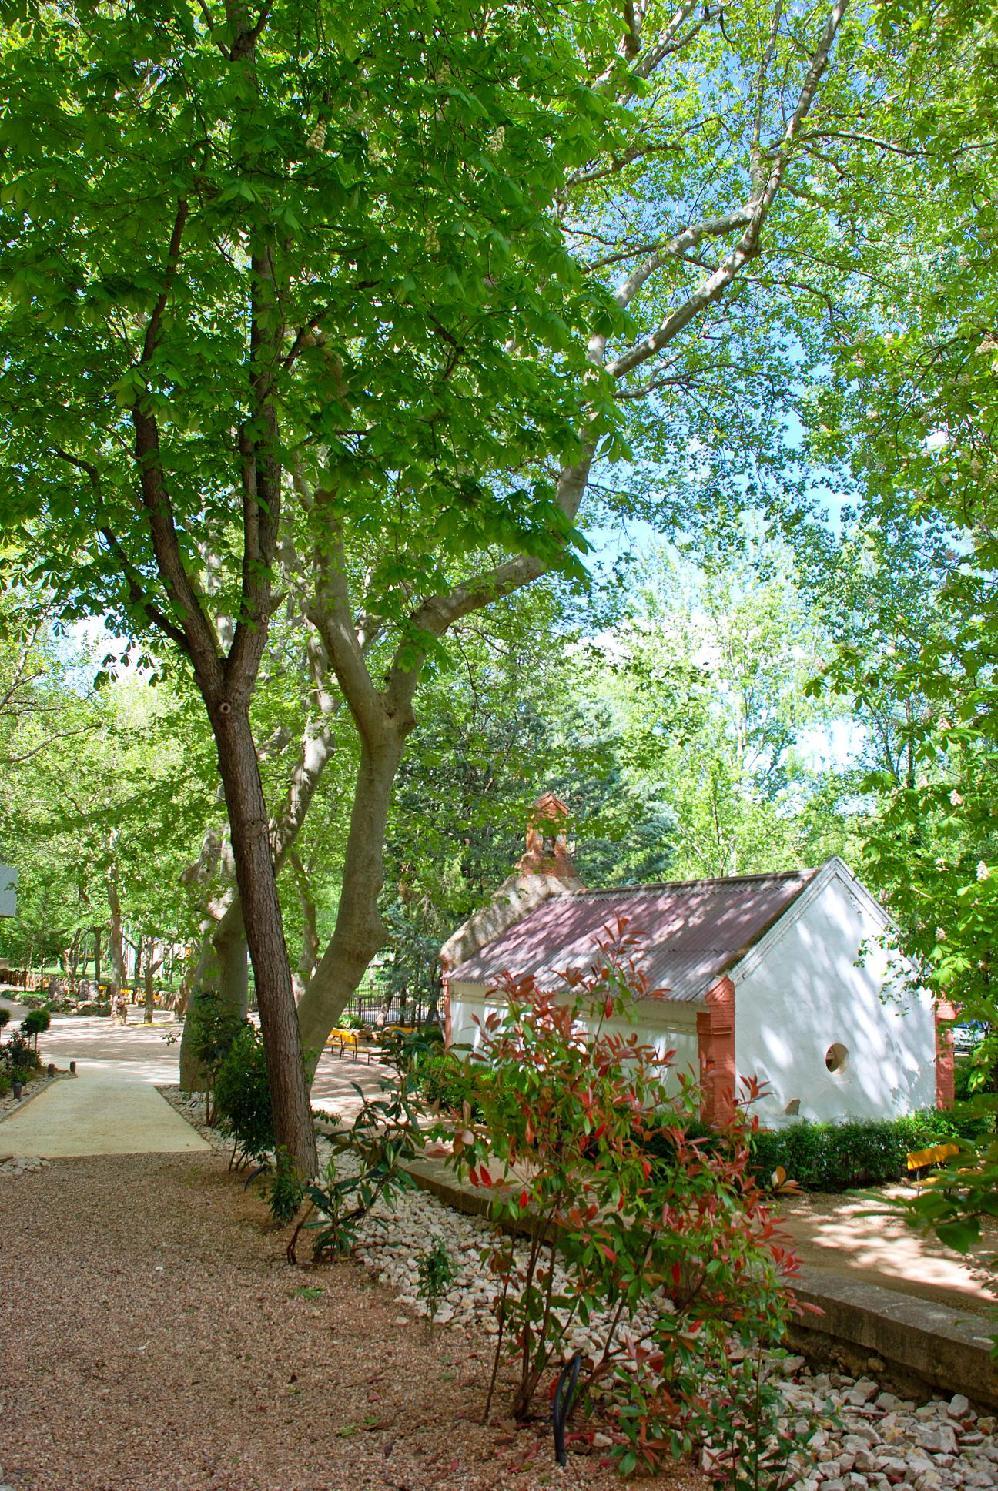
column 211, row 1026
column 285, row 1192
column 18, row 1058
column 405, row 1050
column 36, row 1022
column 242, row 1096
column 444, row 1078
column 858, row 1152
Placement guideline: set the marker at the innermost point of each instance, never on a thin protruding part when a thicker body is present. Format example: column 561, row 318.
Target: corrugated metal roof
column 691, row 931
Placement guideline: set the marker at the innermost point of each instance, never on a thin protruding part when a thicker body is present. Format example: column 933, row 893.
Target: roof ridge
column 617, row 890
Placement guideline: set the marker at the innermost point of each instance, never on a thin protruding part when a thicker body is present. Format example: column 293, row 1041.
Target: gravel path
column 154, row 1339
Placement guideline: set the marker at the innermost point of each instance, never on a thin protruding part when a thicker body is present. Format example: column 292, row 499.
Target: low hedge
column 842, row 1156
column 858, row 1152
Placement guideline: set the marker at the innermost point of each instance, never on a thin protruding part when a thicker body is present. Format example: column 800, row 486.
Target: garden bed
column 866, row 1436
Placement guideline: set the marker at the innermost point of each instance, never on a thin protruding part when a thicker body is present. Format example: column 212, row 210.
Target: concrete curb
column 917, row 1338
column 941, row 1348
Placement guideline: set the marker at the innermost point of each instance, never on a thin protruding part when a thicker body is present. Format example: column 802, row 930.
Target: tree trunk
column 257, row 881
column 96, row 955
column 152, row 963
column 359, row 931
column 73, row 958
column 223, row 967
column 232, row 951
column 117, row 939
column 309, row 955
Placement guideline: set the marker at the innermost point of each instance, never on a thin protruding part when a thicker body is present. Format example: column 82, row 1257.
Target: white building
column 781, row 977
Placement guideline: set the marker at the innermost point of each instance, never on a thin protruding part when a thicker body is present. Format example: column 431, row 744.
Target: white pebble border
column 863, row 1437
column 866, row 1439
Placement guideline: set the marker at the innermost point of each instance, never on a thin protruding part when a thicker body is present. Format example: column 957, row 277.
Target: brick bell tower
column 547, row 850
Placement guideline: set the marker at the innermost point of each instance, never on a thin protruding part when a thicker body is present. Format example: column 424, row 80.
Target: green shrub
column 285, row 1192
column 406, row 1050
column 211, row 1027
column 857, row 1152
column 450, row 1081
column 610, row 1236
column 18, row 1058
column 436, row 1275
column 242, row 1096
column 36, row 1022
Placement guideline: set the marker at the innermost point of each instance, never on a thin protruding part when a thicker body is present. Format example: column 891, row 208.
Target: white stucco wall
column 801, row 991
column 657, row 1023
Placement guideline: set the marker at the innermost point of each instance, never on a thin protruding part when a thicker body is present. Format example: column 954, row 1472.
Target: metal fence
column 374, row 1007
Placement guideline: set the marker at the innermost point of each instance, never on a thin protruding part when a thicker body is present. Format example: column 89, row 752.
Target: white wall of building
column 801, row 991
column 667, row 1027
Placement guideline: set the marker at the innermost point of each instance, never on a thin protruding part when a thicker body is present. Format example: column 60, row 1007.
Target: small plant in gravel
column 665, row 1264
column 743, row 1422
column 385, row 1134
column 436, row 1275
column 285, row 1191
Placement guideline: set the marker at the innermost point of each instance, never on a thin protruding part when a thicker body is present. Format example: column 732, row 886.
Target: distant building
column 778, row 976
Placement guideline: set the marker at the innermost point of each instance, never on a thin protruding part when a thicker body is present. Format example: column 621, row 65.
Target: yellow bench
column 936, row 1154
column 339, row 1040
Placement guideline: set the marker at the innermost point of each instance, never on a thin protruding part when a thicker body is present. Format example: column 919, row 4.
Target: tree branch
column 332, row 616
column 137, row 593
column 155, row 324
column 676, row 247
column 758, row 207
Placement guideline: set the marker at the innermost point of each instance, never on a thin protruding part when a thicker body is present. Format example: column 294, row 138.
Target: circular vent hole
column 836, row 1057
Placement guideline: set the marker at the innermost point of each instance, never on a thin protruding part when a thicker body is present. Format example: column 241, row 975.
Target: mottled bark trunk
column 308, row 956
column 359, row 931
column 222, row 966
column 97, row 955
column 117, row 940
column 151, row 967
column 257, row 880
column 232, row 954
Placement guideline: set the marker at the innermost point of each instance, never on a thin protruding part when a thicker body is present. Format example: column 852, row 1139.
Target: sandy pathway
column 97, row 1113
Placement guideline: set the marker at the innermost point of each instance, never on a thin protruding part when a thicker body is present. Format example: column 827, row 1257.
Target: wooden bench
column 936, row 1154
column 338, row 1041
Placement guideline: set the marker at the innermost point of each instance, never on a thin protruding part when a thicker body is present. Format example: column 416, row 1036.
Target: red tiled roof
column 691, row 931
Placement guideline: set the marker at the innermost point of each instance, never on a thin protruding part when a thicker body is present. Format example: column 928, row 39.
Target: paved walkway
column 113, row 1107
column 839, row 1232
column 94, row 1114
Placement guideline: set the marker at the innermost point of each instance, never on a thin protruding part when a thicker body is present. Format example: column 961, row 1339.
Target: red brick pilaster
column 945, row 1059
column 716, row 1044
column 445, row 999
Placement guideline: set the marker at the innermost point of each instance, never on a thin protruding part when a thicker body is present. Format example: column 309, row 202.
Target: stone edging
column 947, row 1348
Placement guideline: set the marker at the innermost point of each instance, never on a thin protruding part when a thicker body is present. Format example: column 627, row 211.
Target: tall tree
column 374, row 283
